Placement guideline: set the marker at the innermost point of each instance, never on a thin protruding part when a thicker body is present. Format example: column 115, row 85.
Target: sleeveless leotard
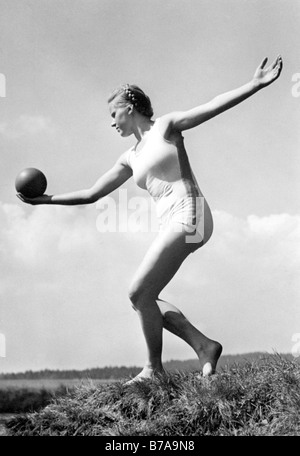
column 162, row 168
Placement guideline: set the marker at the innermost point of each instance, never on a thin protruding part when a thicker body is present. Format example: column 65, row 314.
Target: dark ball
column 31, row 182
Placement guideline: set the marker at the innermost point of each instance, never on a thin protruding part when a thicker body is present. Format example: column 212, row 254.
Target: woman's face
column 121, row 117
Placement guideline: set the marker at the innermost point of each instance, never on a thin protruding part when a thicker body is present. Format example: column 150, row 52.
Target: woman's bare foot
column 208, row 357
column 146, row 374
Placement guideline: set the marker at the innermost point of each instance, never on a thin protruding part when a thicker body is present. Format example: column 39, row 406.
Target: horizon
column 230, row 355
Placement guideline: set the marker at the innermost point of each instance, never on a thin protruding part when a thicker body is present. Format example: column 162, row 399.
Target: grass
column 20, row 400
column 258, row 398
column 27, row 395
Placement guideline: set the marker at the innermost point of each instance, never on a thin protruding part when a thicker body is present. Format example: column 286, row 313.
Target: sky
column 64, row 279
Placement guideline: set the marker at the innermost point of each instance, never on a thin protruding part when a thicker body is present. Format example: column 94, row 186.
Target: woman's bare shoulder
column 124, row 158
column 166, row 127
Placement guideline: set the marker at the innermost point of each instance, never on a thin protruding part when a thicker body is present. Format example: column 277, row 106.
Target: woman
column 159, row 164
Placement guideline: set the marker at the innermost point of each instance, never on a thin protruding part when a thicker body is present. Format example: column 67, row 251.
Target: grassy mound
column 256, row 398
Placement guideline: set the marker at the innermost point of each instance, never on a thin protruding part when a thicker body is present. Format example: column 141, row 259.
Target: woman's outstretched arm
column 262, row 78
column 107, row 183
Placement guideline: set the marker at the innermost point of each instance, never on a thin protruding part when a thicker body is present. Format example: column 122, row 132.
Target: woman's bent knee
column 132, row 294
column 138, row 295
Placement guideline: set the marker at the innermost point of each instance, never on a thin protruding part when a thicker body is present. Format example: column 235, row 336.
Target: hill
column 260, row 397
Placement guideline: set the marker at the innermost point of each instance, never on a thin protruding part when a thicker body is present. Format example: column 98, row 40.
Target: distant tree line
column 94, row 373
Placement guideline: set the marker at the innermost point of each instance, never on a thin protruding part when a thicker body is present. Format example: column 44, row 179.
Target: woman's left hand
column 43, row 199
column 263, row 77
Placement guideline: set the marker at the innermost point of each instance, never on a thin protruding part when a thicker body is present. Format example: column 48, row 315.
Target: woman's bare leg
column 160, row 264
column 207, row 350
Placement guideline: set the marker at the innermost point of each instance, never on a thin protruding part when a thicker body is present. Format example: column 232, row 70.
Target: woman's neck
column 142, row 127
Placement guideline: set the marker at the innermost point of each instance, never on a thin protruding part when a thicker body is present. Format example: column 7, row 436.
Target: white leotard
column 162, row 168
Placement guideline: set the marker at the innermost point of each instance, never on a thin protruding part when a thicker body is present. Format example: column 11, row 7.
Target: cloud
column 270, row 240
column 27, row 125
column 31, row 235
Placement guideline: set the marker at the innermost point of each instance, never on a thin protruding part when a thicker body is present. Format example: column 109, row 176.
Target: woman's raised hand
column 265, row 76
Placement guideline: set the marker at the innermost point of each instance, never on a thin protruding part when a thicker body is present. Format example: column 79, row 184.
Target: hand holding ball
column 31, row 182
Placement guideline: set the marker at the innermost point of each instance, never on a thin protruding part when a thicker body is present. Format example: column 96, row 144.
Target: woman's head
column 129, row 94
column 128, row 105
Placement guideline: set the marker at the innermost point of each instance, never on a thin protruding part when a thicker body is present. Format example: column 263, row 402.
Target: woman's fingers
column 277, row 67
column 20, row 196
column 277, row 63
column 273, row 71
column 263, row 63
column 24, row 199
